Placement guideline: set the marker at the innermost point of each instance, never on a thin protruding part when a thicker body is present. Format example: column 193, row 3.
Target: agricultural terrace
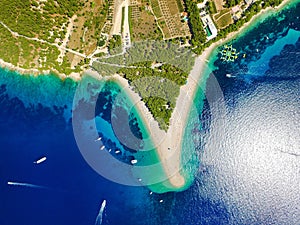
column 142, row 22
column 168, row 16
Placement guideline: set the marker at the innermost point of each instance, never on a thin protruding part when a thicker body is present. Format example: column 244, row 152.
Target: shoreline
column 158, row 136
column 172, row 139
column 168, row 144
column 35, row 72
column 76, row 76
column 171, row 160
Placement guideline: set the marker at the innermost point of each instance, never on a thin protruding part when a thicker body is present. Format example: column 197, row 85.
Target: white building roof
column 208, row 24
column 202, row 4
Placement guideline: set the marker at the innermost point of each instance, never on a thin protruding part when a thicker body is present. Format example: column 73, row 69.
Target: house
column 209, row 27
column 248, row 2
column 235, row 9
column 236, row 12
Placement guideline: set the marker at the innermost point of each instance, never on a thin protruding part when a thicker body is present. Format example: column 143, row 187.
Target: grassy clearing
column 223, row 19
column 212, row 7
column 221, row 13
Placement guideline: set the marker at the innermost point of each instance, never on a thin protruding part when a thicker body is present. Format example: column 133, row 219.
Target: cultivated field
column 168, row 15
column 223, row 18
column 142, row 22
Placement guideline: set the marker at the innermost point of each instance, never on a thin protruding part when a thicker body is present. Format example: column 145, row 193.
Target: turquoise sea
column 240, row 149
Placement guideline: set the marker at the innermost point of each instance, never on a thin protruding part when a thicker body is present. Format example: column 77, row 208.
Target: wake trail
column 19, row 184
column 100, row 214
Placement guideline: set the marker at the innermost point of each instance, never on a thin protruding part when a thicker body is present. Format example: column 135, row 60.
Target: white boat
column 103, row 205
column 102, row 148
column 133, row 161
column 43, row 159
column 229, row 75
column 117, row 152
column 161, row 201
column 98, row 139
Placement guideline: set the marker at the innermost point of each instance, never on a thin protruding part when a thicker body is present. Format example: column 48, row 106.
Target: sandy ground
column 126, row 31
column 117, row 17
column 219, row 4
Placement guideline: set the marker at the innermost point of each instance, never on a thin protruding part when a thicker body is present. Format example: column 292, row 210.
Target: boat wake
column 100, row 214
column 229, row 75
column 26, row 185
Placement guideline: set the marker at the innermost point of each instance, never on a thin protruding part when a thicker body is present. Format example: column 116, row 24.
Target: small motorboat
column 43, row 159
column 133, row 161
column 98, row 139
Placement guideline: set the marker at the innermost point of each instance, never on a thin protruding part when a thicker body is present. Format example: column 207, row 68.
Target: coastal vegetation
column 59, row 35
column 230, row 3
column 225, row 25
column 252, row 10
column 50, row 35
column 196, row 26
column 158, row 87
column 114, row 44
column 211, row 7
column 155, row 70
column 154, row 51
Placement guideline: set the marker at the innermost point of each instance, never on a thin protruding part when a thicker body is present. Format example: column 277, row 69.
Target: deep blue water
column 249, row 149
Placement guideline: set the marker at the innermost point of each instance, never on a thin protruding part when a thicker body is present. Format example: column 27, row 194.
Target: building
column 235, row 9
column 236, row 12
column 209, row 27
column 248, row 2
column 202, row 4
